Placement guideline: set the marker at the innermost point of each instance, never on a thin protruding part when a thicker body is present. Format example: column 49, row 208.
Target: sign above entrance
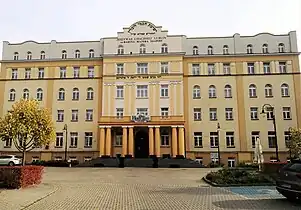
column 141, row 24
column 140, row 118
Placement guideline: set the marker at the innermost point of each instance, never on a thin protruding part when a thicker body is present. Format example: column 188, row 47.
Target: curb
column 213, row 184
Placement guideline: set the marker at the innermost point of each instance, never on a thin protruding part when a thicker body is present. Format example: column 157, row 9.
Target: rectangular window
column 142, row 111
column 266, row 68
column 198, row 139
column 213, row 139
column 91, row 72
column 120, row 68
column 211, row 69
column 226, row 68
column 60, row 116
column 282, row 67
column 230, row 139
column 14, row 74
column 251, row 68
column 196, row 69
column 287, row 138
column 41, row 73
column 89, row 114
column 164, row 67
column 142, row 91
column 75, row 72
column 213, row 114
column 254, row 137
column 88, row 139
column 119, row 92
column 74, row 115
column 272, row 139
column 165, row 140
column 73, row 139
column 63, row 72
column 231, row 162
column 269, row 113
column 27, row 73
column 164, row 112
column 118, row 140
column 142, row 68
column 254, row 113
column 8, row 143
column 286, row 111
column 197, row 114
column 119, row 113
column 59, row 139
column 164, row 91
column 229, row 113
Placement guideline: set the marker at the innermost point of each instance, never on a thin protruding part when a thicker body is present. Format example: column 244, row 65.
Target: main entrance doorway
column 141, row 144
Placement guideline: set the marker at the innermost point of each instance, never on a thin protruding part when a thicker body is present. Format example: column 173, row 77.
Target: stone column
column 124, row 141
column 157, row 141
column 131, row 140
column 151, row 140
column 108, row 141
column 174, row 142
column 102, row 141
column 181, row 141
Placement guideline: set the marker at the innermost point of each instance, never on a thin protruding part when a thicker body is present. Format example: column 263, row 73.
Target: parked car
column 288, row 182
column 10, row 160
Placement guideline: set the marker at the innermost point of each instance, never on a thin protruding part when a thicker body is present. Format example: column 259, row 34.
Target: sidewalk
column 22, row 198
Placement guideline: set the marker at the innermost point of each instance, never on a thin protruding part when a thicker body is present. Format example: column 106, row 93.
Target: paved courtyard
column 137, row 188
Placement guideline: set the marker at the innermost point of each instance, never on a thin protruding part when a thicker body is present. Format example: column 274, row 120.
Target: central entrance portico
column 141, row 142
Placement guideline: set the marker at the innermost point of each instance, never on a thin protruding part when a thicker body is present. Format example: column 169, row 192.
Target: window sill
column 89, row 99
column 288, row 119
column 212, row 97
column 88, row 147
column 197, row 120
column 230, row 147
column 255, row 119
column 164, row 97
column 118, row 146
column 89, row 120
column 229, row 97
column 142, row 98
column 196, row 97
column 213, row 119
column 165, row 146
column 214, row 147
column 199, row 147
column 75, row 99
column 285, row 96
column 119, row 98
column 60, row 121
column 7, row 147
column 229, row 119
column 11, row 100
column 61, row 99
column 73, row 147
column 58, row 147
column 269, row 96
column 252, row 96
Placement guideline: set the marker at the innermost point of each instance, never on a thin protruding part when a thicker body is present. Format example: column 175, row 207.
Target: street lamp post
column 218, row 149
column 263, row 111
column 66, row 141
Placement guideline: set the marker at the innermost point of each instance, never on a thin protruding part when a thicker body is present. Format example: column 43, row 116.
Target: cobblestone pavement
column 147, row 189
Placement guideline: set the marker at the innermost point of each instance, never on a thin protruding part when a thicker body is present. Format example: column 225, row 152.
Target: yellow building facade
column 147, row 93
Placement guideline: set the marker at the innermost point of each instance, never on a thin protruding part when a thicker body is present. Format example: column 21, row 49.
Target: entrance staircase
column 141, row 163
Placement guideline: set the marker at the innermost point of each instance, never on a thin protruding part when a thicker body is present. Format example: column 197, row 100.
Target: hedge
column 16, row 177
column 55, row 163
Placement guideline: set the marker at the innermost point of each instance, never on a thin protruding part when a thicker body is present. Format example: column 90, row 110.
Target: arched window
column 228, row 91
column 91, row 53
column 90, row 93
column 120, row 50
column 196, row 91
column 195, row 50
column 249, row 49
column 77, row 54
column 268, row 91
column 25, row 93
column 281, row 48
column 12, row 95
column 285, row 90
column 61, row 94
column 210, row 50
column 16, row 56
column 64, row 54
column 164, row 48
column 75, row 94
column 39, row 94
column 252, row 91
column 42, row 56
column 265, row 48
column 212, row 91
column 29, row 55
column 225, row 50
column 142, row 49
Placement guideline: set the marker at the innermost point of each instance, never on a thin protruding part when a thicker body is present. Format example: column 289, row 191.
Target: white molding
column 181, row 126
column 101, row 126
column 108, row 126
column 124, row 126
column 157, row 126
column 151, row 126
column 174, row 126
column 131, row 126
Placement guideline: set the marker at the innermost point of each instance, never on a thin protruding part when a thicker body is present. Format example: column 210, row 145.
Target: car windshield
column 294, row 167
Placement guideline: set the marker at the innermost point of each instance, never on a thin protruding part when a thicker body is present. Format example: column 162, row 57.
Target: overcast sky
column 71, row 20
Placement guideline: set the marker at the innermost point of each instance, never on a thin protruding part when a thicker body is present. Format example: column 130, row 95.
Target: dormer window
column 210, row 50
column 142, row 49
column 120, row 50
column 77, row 54
column 42, row 55
column 64, row 54
column 164, row 48
column 29, row 55
column 249, row 49
column 195, row 50
column 281, row 48
column 16, row 56
column 91, row 53
column 265, row 48
column 225, row 50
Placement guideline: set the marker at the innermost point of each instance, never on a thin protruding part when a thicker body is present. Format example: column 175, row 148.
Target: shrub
column 215, row 165
column 247, row 165
column 55, row 163
column 20, row 176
